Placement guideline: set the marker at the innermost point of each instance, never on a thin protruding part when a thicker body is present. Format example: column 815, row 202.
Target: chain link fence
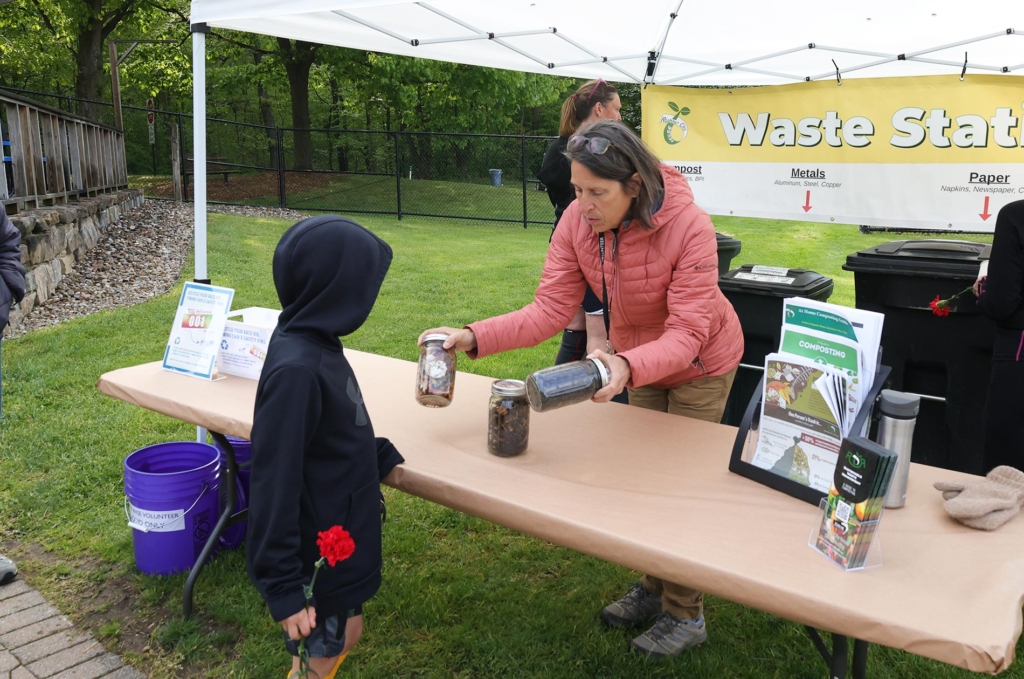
column 479, row 177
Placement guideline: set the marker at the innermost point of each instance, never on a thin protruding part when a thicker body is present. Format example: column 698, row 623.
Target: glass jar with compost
column 566, row 384
column 508, row 418
column 435, row 375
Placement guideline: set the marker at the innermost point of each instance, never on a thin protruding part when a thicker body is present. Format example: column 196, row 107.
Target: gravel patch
column 139, row 257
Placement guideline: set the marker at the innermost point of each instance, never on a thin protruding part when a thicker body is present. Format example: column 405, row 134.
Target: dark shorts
column 591, row 302
column 327, row 639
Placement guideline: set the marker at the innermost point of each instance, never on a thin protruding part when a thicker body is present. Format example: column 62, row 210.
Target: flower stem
column 308, row 591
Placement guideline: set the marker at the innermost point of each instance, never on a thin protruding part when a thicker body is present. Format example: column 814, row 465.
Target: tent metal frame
column 656, row 56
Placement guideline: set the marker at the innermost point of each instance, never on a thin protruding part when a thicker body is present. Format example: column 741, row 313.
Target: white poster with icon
column 197, row 330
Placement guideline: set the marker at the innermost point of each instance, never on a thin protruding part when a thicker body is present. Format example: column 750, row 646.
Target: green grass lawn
column 461, row 597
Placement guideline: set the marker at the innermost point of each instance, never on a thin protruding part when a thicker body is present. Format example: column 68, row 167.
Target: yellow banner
column 938, row 119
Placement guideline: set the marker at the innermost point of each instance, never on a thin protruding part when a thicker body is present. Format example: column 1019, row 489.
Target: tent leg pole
column 199, row 32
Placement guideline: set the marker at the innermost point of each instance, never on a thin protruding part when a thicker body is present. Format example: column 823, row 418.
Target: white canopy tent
column 686, row 42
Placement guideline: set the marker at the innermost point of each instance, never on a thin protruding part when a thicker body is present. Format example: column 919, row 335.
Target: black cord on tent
column 839, row 78
column 964, row 72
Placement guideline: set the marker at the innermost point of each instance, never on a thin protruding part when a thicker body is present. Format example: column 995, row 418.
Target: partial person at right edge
column 1000, row 293
column 593, row 101
column 12, row 289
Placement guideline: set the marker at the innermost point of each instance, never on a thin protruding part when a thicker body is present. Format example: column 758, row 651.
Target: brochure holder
column 746, row 442
column 872, row 559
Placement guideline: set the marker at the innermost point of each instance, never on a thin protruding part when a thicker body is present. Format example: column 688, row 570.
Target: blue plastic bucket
column 171, row 503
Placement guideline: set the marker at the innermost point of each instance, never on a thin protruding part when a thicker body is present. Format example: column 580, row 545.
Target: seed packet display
column 855, row 501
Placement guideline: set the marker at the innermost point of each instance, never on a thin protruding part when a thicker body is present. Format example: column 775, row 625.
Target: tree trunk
column 266, row 115
column 89, row 61
column 299, row 58
column 337, row 99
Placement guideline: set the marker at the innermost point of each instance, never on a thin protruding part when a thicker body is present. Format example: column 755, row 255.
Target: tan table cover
column 652, row 492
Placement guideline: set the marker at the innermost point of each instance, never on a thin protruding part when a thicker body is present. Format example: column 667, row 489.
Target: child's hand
column 300, row 625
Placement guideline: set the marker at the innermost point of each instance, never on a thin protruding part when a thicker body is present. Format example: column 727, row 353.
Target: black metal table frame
column 228, row 517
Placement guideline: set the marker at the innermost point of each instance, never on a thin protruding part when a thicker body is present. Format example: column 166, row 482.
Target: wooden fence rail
column 51, row 156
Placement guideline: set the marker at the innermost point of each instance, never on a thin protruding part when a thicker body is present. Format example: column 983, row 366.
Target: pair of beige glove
column 985, row 503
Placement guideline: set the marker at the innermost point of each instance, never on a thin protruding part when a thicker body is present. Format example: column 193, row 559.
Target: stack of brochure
column 814, row 388
column 854, row 504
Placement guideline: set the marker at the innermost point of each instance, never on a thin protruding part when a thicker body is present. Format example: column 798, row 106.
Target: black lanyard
column 604, row 288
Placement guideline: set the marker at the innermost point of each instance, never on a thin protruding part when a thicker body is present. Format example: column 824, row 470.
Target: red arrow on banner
column 985, row 214
column 807, row 204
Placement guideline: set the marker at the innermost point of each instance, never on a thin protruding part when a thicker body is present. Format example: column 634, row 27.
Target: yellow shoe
column 294, row 674
column 336, row 666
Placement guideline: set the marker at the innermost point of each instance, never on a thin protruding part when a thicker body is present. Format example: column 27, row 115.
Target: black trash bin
column 937, row 357
column 757, row 294
column 728, row 248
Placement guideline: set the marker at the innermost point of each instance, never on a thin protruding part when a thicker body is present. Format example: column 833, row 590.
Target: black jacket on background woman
column 1001, row 298
column 556, row 173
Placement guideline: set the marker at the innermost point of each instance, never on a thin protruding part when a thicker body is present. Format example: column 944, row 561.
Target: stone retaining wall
column 54, row 239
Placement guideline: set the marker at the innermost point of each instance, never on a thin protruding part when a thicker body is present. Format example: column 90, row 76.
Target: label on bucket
column 156, row 521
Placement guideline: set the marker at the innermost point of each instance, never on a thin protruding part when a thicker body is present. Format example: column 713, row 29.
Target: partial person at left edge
column 12, row 276
column 12, row 289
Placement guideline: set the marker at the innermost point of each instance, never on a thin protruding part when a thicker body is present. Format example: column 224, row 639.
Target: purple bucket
column 171, row 503
column 233, row 535
column 243, row 454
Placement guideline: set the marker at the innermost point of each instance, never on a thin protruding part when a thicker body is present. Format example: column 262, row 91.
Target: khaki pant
column 702, row 399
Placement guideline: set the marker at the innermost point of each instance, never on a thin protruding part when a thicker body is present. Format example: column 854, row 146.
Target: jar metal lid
column 602, row 370
column 436, row 337
column 508, row 388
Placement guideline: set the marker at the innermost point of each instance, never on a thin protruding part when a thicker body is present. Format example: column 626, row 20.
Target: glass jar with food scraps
column 566, row 384
column 508, row 418
column 435, row 375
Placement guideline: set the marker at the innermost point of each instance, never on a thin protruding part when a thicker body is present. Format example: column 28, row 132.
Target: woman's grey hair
column 626, row 155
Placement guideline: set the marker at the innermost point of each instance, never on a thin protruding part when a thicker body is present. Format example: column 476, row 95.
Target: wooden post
column 115, row 86
column 176, row 164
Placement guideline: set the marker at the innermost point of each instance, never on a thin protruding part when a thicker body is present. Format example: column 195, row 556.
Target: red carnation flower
column 335, row 545
column 940, row 307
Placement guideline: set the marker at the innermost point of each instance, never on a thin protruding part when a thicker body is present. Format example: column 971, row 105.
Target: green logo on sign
column 673, row 123
column 855, row 460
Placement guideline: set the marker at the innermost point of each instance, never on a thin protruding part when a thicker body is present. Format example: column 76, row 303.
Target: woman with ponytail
column 594, row 100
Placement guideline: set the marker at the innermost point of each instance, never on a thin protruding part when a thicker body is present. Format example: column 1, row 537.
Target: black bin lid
column 935, row 258
column 727, row 241
column 773, row 281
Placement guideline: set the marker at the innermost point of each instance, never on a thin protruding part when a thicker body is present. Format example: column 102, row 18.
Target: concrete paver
column 37, row 642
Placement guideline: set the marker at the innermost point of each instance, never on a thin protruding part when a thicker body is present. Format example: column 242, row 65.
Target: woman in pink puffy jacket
column 636, row 237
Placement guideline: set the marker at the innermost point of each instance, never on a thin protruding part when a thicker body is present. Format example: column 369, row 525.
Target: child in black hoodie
column 316, row 462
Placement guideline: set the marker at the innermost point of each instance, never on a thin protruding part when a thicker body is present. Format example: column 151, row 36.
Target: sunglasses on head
column 595, row 145
column 596, row 85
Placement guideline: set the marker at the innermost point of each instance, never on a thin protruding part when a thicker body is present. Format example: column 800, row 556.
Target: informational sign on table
column 243, row 349
column 933, row 153
column 198, row 327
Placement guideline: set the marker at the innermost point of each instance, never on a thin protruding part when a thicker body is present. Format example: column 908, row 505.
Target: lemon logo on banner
column 673, row 123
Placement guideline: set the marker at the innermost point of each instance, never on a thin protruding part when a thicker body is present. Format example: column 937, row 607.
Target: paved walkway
column 37, row 642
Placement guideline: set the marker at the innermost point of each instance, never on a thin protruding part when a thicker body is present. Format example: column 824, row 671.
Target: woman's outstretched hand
column 618, row 369
column 461, row 339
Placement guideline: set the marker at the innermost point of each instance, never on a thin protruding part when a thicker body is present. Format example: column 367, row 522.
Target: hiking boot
column 632, row 610
column 7, row 570
column 670, row 636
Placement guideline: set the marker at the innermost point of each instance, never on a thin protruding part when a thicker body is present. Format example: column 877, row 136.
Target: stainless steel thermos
column 896, row 432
